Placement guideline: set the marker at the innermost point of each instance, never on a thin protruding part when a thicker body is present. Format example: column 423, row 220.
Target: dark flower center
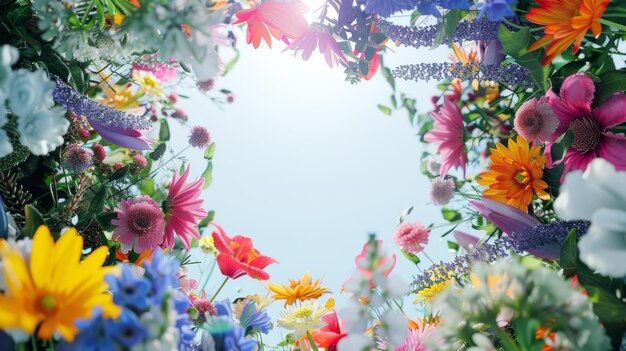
column 587, row 134
column 534, row 122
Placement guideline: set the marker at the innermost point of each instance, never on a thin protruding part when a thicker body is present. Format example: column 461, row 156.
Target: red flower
column 283, row 20
column 328, row 336
column 237, row 257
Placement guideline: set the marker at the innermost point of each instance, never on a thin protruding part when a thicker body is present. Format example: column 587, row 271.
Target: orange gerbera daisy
column 303, row 289
column 515, row 175
column 566, row 22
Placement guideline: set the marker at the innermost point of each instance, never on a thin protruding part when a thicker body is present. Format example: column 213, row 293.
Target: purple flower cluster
column 425, row 36
column 532, row 238
column 81, row 105
column 508, row 73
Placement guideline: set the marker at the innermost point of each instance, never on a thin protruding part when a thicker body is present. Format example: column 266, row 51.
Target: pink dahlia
column 139, row 224
column 184, row 209
column 590, row 127
column 319, row 37
column 535, row 121
column 448, row 134
column 411, row 237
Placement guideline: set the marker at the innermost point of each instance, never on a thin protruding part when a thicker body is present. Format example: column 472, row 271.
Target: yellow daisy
column 56, row 289
column 428, row 294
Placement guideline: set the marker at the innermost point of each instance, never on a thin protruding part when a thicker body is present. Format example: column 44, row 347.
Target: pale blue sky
column 307, row 166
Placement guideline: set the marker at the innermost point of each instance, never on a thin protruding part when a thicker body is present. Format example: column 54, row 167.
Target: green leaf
column 364, row 67
column 415, row 15
column 32, row 42
column 97, row 203
column 164, row 131
column 450, row 215
column 453, row 246
column 18, row 16
column 158, row 152
column 119, row 174
column 448, row 26
column 612, row 82
column 33, row 220
column 105, row 218
column 207, row 175
column 146, row 186
column 229, row 66
column 411, row 257
column 210, row 152
column 569, row 254
column 100, row 13
column 111, row 7
column 556, row 151
column 606, row 305
column 515, row 44
column 384, row 109
column 394, row 102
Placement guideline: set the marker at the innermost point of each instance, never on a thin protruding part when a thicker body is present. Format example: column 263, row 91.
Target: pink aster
column 139, row 224
column 448, row 134
column 411, row 237
column 590, row 127
column 316, row 37
column 535, row 120
column 184, row 209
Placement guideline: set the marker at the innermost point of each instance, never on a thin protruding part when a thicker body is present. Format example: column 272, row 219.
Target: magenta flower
column 318, row 36
column 139, row 224
column 448, row 134
column 411, row 237
column 590, row 127
column 184, row 209
column 535, row 121
column 126, row 137
column 76, row 159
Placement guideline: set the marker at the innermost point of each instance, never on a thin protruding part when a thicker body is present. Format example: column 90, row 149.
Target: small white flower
column 42, row 131
column 355, row 342
column 598, row 195
column 29, row 92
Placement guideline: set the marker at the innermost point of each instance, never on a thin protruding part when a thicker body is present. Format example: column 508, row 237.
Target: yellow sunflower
column 56, row 289
column 515, row 174
column 303, row 289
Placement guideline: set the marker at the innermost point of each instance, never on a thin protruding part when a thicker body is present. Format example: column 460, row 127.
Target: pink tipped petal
column 467, row 241
column 613, row 149
column 612, row 112
column 577, row 91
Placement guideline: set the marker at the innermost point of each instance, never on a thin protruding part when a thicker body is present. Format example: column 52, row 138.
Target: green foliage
column 515, row 44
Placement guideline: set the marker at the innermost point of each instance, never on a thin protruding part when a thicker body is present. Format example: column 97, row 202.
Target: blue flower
column 223, row 308
column 128, row 330
column 428, row 8
column 495, row 10
column 161, row 273
column 252, row 320
column 129, row 290
column 386, row 8
column 455, row 4
column 227, row 336
column 95, row 335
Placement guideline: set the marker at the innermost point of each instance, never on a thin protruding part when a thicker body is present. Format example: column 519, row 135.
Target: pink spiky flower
column 411, row 237
column 183, row 210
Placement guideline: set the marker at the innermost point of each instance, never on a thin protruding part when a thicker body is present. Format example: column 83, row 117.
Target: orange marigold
column 301, row 290
column 566, row 22
column 515, row 174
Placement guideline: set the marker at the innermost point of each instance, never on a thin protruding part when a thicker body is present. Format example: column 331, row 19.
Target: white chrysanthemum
column 598, row 195
column 29, row 92
column 148, row 83
column 302, row 316
column 42, row 130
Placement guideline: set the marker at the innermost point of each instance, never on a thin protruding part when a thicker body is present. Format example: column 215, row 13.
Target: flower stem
column 219, row 289
column 209, row 276
column 612, row 24
column 311, row 341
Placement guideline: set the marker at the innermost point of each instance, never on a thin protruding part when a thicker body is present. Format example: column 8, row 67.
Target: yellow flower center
column 47, row 304
column 148, row 82
column 522, row 177
column 304, row 312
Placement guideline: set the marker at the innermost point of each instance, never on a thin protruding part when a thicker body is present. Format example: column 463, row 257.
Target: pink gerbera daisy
column 139, row 224
column 535, row 121
column 184, row 209
column 448, row 134
column 592, row 137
